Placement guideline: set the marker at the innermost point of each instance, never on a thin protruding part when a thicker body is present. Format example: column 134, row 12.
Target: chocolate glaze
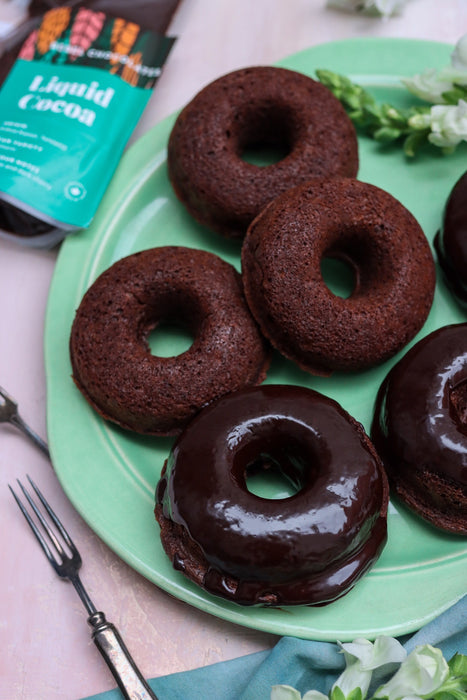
column 451, row 241
column 420, row 427
column 309, row 548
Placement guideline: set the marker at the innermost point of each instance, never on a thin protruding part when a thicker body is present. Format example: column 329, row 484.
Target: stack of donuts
column 288, row 217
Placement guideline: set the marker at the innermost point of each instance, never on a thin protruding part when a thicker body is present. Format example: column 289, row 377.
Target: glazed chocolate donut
column 420, row 428
column 309, row 548
column 113, row 365
column 451, row 241
column 256, row 106
column 394, row 275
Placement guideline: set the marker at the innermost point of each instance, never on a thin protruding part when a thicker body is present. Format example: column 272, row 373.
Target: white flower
column 431, row 84
column 428, row 85
column 459, row 55
column 362, row 658
column 286, row 692
column 420, row 675
column 448, row 124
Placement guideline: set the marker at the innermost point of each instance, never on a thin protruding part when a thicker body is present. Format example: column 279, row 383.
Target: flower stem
column 382, row 122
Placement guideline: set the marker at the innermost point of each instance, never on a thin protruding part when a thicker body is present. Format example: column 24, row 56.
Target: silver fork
column 105, row 634
column 9, row 414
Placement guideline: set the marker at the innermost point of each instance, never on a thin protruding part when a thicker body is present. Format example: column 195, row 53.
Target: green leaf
column 413, row 142
column 386, row 134
column 452, row 97
column 450, row 695
column 458, row 665
column 357, row 116
column 394, row 117
column 330, row 79
column 337, row 694
column 373, row 110
column 356, row 694
column 418, row 109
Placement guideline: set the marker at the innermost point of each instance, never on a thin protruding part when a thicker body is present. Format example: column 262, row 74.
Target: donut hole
column 264, row 135
column 169, row 338
column 355, row 261
column 170, row 322
column 458, row 406
column 273, row 476
column 264, row 154
column 339, row 276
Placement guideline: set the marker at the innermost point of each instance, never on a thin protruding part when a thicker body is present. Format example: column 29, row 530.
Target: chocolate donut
column 111, row 360
column 258, row 106
column 379, row 239
column 420, row 428
column 451, row 241
column 309, row 548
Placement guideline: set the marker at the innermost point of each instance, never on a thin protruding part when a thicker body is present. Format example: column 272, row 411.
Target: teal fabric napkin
column 301, row 663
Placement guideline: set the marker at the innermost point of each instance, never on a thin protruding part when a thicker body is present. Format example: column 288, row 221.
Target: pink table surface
column 46, row 650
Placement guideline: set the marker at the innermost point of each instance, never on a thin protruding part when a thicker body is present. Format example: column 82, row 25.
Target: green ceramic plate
column 110, row 475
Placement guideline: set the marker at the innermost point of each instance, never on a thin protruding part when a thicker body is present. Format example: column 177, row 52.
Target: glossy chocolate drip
column 420, row 425
column 306, row 549
column 451, row 241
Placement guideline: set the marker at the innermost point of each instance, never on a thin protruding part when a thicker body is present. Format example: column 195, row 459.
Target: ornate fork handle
column 117, row 657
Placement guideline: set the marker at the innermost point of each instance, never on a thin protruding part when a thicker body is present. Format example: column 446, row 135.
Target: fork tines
column 46, row 527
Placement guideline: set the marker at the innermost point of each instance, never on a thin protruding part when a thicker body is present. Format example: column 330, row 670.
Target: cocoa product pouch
column 75, row 82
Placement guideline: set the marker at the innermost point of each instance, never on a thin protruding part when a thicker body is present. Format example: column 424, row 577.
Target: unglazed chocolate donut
column 261, row 105
column 309, row 548
column 451, row 241
column 420, row 428
column 394, row 274
column 111, row 360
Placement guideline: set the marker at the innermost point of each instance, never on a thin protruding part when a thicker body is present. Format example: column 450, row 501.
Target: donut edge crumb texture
column 112, row 364
column 225, row 539
column 420, row 428
column 379, row 239
column 260, row 104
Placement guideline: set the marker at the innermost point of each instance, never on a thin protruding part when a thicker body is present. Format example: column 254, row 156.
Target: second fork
column 104, row 633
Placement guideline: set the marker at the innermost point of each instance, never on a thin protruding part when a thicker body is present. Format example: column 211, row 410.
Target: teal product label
column 68, row 108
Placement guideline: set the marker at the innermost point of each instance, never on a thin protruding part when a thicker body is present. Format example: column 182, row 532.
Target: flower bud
column 459, row 55
column 421, row 674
